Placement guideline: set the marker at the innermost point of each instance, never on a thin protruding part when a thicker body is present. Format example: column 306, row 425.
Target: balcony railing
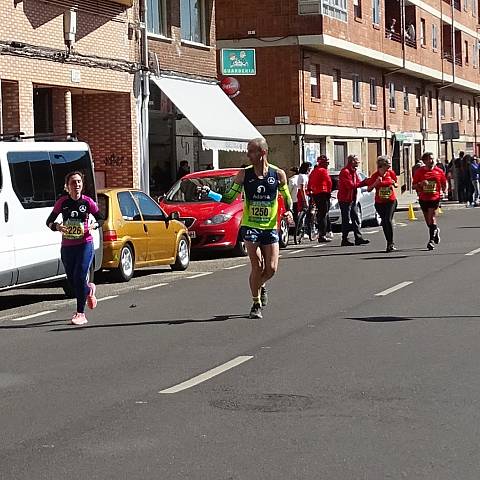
column 397, row 37
column 449, row 58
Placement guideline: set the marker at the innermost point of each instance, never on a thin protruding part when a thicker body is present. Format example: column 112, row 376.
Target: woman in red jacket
column 430, row 181
column 384, row 180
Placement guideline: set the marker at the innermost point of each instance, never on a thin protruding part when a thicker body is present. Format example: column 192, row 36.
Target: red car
column 213, row 224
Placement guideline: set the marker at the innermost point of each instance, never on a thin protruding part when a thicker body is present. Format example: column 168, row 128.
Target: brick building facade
column 364, row 77
column 184, row 126
column 45, row 91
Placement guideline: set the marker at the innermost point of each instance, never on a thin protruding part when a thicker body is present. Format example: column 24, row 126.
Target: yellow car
column 138, row 233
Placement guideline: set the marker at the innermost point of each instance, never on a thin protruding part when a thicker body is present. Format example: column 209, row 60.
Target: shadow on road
column 15, row 300
column 386, row 319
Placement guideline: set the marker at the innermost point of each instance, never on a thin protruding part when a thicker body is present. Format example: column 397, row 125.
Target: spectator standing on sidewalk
column 320, row 187
column 475, row 176
column 303, row 172
column 458, row 178
column 348, row 182
column 293, row 189
column 384, row 180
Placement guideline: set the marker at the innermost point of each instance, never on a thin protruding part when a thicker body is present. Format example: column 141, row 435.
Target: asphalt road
column 336, row 382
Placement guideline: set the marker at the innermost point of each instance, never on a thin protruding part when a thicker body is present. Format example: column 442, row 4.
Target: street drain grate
column 267, row 403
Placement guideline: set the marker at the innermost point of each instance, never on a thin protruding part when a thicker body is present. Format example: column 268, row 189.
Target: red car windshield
column 185, row 190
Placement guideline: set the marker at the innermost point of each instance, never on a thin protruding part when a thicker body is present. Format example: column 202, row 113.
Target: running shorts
column 260, row 236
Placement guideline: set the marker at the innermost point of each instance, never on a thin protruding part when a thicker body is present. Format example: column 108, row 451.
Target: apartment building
column 53, row 84
column 358, row 76
column 190, row 118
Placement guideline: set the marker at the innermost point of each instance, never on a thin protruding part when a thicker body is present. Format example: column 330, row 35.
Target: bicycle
column 306, row 224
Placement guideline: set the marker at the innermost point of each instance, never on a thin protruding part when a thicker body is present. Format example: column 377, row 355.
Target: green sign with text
column 238, row 61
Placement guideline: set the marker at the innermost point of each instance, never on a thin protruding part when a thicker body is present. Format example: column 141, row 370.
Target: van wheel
column 182, row 259
column 68, row 289
column 126, row 265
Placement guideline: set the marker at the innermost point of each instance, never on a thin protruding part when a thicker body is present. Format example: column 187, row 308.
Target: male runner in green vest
column 261, row 182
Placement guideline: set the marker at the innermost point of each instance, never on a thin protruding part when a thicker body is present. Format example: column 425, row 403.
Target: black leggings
column 386, row 211
column 322, row 202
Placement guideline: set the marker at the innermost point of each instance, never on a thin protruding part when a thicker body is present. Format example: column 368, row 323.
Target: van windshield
column 185, row 190
column 38, row 178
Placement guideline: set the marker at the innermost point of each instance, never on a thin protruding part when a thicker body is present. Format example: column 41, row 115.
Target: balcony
column 126, row 3
column 397, row 37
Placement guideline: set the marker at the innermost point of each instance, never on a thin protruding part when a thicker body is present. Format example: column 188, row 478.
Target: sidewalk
column 407, row 198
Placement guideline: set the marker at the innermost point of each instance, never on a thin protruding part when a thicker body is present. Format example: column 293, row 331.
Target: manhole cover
column 269, row 402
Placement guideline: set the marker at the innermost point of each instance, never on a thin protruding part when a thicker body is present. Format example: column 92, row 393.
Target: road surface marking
column 153, row 286
column 207, row 375
column 295, row 251
column 106, row 298
column 371, row 232
column 236, row 266
column 393, row 289
column 198, row 275
column 473, row 252
column 28, row 317
column 319, row 245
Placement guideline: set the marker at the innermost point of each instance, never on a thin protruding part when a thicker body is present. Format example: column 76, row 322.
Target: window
column 460, row 106
column 38, row 178
column 32, row 178
column 65, row 162
column 357, row 8
column 466, row 52
column 452, row 108
column 332, row 8
column 475, row 55
column 418, row 100
column 429, row 103
column 478, row 112
column 469, row 110
column 356, row 89
column 156, row 17
column 192, row 21
column 42, row 110
column 376, row 12
column 474, row 8
column 434, row 37
column 391, row 90
column 337, row 86
column 442, row 107
column 465, row 5
column 150, row 210
column 423, row 32
column 373, row 92
column 406, row 100
column 315, row 80
column 128, row 207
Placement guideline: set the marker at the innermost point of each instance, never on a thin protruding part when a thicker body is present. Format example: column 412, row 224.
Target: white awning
column 222, row 125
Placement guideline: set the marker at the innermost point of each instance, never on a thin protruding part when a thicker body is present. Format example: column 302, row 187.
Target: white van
column 32, row 178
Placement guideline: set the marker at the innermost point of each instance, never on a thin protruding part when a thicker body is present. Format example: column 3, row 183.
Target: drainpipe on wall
column 142, row 104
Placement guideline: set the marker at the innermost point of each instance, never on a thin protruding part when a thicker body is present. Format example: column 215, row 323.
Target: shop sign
column 238, row 61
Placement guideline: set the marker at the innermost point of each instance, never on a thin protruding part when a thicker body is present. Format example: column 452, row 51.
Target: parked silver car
column 366, row 203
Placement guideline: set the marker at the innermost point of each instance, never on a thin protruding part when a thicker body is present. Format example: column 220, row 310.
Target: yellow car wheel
column 126, row 264
column 182, row 259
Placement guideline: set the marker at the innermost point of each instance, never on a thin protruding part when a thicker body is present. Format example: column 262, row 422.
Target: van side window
column 32, row 178
column 66, row 162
